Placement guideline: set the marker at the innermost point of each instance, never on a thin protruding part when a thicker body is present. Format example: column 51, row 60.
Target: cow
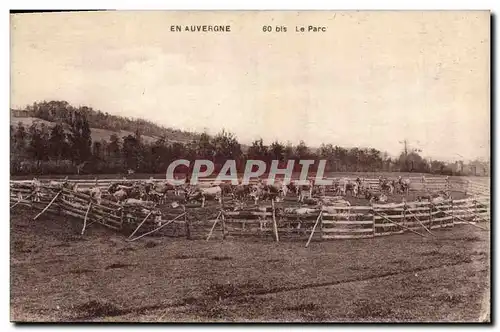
column 319, row 190
column 259, row 192
column 386, row 185
column 358, row 181
column 334, row 206
column 340, row 206
column 256, row 193
column 292, row 187
column 364, row 187
column 436, row 198
column 240, row 191
column 121, row 192
column 95, row 192
column 120, row 195
column 138, row 203
column 278, row 188
column 402, row 185
column 300, row 211
column 347, row 185
column 330, row 200
column 379, row 198
column 62, row 184
column 304, row 190
column 204, row 193
column 157, row 191
column 96, row 195
column 76, row 188
column 227, row 189
column 337, row 188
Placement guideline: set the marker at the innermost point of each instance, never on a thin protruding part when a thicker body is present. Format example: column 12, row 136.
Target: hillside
column 97, row 133
column 102, row 124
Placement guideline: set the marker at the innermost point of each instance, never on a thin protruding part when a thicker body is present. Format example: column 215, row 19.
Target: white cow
column 120, row 195
column 204, row 193
column 338, row 207
column 96, row 194
column 381, row 198
column 138, row 203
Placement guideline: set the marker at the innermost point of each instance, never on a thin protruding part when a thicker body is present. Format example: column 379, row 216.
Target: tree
column 375, row 159
column 204, row 147
column 97, row 150
column 131, row 150
column 80, row 139
column 160, row 155
column 277, row 151
column 114, row 146
column 302, row 151
column 341, row 161
column 37, row 147
column 353, row 158
column 412, row 162
column 289, row 152
column 225, row 147
column 258, row 151
column 57, row 142
column 437, row 166
column 20, row 138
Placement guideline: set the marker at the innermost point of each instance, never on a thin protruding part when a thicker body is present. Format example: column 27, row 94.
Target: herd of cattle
column 153, row 192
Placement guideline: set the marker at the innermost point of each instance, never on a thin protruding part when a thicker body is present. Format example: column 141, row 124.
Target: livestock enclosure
column 284, row 220
column 364, row 263
column 400, row 261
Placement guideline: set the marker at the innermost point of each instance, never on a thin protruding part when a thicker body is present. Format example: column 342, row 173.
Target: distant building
column 22, row 113
column 479, row 168
column 474, row 168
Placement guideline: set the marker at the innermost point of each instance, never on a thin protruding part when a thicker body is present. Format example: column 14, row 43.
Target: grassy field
column 59, row 275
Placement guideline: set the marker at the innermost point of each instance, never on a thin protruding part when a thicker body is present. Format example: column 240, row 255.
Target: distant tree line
column 67, row 148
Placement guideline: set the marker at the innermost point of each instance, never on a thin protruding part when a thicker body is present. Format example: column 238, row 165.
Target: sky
column 373, row 79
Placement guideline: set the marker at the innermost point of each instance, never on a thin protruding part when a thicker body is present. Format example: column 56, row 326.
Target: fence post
column 223, row 224
column 404, row 213
column 275, row 225
column 223, row 217
column 187, row 223
column 373, row 219
column 452, row 213
column 430, row 215
column 321, row 226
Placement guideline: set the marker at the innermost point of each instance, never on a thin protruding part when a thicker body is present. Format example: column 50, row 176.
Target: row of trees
column 67, row 148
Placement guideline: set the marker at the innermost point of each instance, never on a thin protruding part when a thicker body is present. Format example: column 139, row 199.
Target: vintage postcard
column 250, row 166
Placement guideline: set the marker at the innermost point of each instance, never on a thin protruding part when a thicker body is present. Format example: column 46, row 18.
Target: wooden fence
column 275, row 221
column 416, row 183
column 477, row 188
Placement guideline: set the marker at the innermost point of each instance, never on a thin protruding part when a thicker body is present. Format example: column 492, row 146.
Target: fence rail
column 416, row 183
column 320, row 223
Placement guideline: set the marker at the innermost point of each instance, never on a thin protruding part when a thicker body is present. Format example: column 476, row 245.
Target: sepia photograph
column 250, row 166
